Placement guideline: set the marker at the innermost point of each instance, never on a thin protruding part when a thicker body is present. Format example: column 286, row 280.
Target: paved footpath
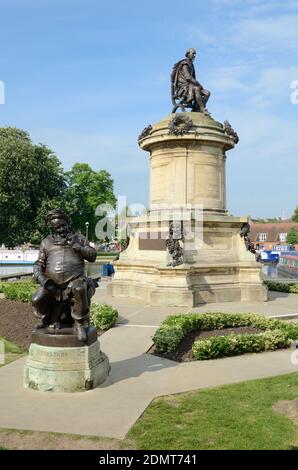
column 136, row 378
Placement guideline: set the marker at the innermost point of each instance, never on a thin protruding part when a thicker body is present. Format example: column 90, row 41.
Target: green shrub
column 22, row 290
column 277, row 333
column 233, row 345
column 103, row 316
column 167, row 338
column 289, row 287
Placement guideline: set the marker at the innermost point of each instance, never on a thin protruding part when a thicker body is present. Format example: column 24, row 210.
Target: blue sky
column 86, row 76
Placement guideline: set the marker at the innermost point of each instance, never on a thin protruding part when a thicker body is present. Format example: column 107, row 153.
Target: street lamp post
column 87, row 227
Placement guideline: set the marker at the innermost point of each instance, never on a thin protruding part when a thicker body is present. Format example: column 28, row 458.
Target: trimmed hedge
column 277, row 334
column 290, row 287
column 103, row 316
column 22, row 290
column 233, row 345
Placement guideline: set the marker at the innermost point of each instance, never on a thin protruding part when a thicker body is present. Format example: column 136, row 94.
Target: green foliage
column 103, row 316
column 277, row 333
column 22, row 290
column 32, row 182
column 87, row 189
column 233, row 345
column 295, row 215
column 30, row 176
column 167, row 338
column 292, row 236
column 291, row 287
column 11, row 347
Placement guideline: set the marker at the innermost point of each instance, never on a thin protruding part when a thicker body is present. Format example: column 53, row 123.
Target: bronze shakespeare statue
column 186, row 91
column 63, row 300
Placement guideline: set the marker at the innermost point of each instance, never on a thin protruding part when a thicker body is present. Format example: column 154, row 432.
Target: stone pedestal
column 54, row 366
column 188, row 183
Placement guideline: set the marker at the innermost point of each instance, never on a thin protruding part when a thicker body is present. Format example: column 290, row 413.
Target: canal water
column 92, row 268
column 271, row 271
column 15, row 269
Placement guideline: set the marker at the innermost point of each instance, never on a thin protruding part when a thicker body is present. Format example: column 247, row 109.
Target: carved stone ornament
column 244, row 233
column 180, row 124
column 174, row 243
column 230, row 131
column 146, row 131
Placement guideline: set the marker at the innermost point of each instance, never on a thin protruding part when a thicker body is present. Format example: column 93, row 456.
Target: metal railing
column 14, row 276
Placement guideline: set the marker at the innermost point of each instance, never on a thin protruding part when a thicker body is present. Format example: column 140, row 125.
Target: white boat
column 27, row 257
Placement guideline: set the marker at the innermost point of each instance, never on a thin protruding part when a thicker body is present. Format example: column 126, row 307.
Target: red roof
column 272, row 230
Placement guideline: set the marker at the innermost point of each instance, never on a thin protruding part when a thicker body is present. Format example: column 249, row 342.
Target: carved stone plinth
column 57, row 364
column 188, row 181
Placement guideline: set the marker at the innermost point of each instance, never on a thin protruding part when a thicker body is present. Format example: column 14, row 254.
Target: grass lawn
column 230, row 417
column 12, row 351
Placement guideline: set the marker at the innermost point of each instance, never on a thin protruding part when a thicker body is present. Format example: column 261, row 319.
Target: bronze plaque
column 147, row 242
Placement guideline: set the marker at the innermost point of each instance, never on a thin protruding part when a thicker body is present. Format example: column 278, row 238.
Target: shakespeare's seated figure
column 65, row 292
column 186, row 91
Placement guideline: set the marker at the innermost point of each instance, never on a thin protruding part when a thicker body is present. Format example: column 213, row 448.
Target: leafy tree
column 87, row 189
column 292, row 237
column 31, row 178
column 295, row 215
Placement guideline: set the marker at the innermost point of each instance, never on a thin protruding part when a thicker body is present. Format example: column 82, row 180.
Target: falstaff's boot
column 80, row 329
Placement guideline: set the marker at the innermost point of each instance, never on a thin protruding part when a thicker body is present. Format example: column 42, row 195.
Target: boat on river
column 18, row 257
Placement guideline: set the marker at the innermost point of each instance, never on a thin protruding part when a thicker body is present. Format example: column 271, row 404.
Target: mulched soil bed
column 183, row 352
column 17, row 321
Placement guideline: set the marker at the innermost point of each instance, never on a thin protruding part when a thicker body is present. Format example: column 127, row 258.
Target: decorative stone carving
column 146, row 131
column 230, row 131
column 245, row 229
column 174, row 243
column 180, row 125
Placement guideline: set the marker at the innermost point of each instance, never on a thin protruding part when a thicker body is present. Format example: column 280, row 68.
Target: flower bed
column 273, row 334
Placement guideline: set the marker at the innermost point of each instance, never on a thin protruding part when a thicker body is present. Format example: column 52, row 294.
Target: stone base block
column 65, row 369
column 189, row 286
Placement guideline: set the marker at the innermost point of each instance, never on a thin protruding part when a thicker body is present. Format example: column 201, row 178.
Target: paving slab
column 136, row 377
column 135, row 380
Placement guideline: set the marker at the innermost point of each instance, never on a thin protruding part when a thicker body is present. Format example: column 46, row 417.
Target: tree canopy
column 32, row 182
column 87, row 189
column 30, row 177
column 292, row 237
column 295, row 215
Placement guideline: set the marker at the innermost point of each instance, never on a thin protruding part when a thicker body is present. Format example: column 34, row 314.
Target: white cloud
column 267, row 33
column 225, row 79
column 273, row 86
column 186, row 32
column 193, row 33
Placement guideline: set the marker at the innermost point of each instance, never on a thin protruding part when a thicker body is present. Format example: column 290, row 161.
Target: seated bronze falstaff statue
column 63, row 300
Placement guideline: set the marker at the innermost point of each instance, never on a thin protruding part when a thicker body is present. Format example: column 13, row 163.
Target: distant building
column 271, row 236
